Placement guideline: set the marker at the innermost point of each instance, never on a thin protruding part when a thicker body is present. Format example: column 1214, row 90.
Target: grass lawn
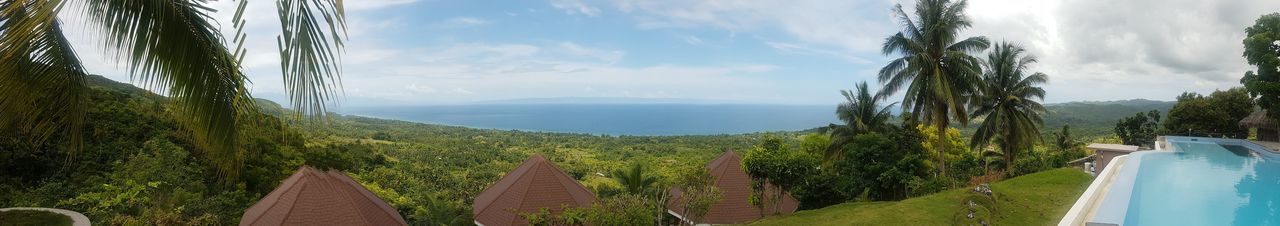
column 33, row 218
column 1035, row 199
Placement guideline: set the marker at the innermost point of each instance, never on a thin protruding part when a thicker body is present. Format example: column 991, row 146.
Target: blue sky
column 416, row 52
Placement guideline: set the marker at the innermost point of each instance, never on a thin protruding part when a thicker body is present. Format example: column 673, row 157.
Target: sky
column 423, row 52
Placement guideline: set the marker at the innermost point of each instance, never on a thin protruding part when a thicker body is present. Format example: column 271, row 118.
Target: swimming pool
column 1201, row 183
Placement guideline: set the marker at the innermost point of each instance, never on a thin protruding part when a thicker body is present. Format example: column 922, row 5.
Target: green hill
column 1098, row 118
column 1034, row 199
column 1089, row 118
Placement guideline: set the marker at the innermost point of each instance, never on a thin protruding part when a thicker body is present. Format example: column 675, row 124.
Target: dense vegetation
column 1216, row 115
column 142, row 162
column 140, row 167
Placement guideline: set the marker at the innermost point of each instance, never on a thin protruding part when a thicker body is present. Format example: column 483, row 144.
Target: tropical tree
column 1139, row 130
column 699, row 194
column 935, row 67
column 771, row 163
column 635, row 180
column 1006, row 102
column 174, row 47
column 1215, row 115
column 1261, row 50
column 861, row 113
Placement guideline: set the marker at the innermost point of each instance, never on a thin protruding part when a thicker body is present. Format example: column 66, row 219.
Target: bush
column 1030, row 164
column 926, row 186
column 822, row 190
column 882, row 164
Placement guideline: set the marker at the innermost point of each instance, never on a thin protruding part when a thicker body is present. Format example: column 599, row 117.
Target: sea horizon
column 631, row 119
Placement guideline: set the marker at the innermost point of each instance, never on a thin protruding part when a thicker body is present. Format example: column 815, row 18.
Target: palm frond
column 309, row 52
column 35, row 58
column 173, row 47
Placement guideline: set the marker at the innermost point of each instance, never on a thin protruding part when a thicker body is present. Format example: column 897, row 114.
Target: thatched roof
column 1258, row 119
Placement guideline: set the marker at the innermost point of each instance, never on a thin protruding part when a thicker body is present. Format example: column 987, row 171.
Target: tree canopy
column 1262, row 50
column 1216, row 115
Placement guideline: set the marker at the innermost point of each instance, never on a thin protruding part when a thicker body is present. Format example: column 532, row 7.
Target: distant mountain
column 1094, row 118
column 1131, row 103
column 606, row 100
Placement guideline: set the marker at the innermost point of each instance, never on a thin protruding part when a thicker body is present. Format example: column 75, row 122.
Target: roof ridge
column 329, row 176
column 354, row 185
column 305, row 171
column 527, row 165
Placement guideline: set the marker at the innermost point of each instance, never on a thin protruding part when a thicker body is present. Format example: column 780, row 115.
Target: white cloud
column 693, row 40
column 373, row 4
column 462, row 22
column 574, row 7
column 846, row 25
column 1102, row 50
column 1136, row 49
column 796, row 48
column 608, row 56
column 491, row 71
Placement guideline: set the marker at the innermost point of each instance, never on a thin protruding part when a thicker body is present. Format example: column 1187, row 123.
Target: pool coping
column 1085, row 206
column 1090, row 210
column 77, row 218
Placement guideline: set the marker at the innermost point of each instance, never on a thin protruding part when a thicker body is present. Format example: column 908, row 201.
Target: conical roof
column 315, row 197
column 533, row 185
column 735, row 187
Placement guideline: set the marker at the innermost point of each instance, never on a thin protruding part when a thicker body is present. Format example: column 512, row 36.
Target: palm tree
column 1063, row 140
column 1006, row 102
column 861, row 112
column 171, row 46
column 635, row 180
column 935, row 66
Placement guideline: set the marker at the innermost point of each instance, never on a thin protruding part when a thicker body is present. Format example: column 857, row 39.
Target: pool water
column 1205, row 184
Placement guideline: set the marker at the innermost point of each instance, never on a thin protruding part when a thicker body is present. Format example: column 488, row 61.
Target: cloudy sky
column 414, row 52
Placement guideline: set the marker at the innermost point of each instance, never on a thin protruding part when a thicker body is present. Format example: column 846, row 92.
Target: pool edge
column 1085, row 206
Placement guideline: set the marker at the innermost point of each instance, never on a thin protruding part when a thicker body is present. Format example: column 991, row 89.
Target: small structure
column 735, row 187
column 533, row 185
column 1106, row 152
column 1265, row 127
column 315, row 197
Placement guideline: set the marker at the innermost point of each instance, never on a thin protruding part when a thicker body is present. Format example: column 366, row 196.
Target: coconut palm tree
column 635, row 180
column 171, row 46
column 935, row 67
column 1006, row 102
column 861, row 112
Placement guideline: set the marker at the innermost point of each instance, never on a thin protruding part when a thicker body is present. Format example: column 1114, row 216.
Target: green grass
column 33, row 218
column 1035, row 199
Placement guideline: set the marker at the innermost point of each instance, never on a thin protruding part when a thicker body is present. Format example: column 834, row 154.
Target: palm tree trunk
column 941, row 125
column 942, row 149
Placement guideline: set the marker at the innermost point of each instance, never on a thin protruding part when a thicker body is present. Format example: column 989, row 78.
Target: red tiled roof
column 735, row 187
column 533, row 185
column 314, row 197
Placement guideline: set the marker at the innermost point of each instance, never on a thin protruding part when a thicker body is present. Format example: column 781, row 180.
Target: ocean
column 615, row 119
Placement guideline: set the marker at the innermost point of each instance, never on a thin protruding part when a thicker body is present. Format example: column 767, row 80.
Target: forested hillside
column 1091, row 119
column 1098, row 118
column 139, row 168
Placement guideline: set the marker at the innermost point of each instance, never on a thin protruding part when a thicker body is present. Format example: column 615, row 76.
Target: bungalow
column 1266, row 128
column 735, row 187
column 315, row 197
column 533, row 185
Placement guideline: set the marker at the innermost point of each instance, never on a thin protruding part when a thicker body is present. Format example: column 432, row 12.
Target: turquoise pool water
column 1205, row 184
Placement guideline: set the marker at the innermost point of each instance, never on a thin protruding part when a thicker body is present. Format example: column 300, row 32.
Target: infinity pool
column 1204, row 183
